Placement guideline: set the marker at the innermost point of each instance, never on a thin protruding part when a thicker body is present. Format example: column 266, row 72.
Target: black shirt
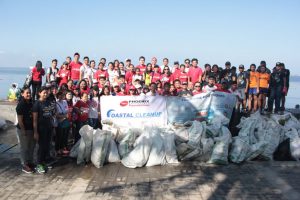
column 241, row 79
column 286, row 73
column 276, row 78
column 24, row 108
column 45, row 110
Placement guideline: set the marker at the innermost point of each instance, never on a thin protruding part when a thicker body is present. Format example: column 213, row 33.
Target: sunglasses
column 197, row 85
column 166, row 69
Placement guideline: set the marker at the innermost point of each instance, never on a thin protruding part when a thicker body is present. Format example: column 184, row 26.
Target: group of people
column 70, row 97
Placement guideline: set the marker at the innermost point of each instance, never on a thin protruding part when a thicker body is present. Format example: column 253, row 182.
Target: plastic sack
column 207, row 145
column 239, row 150
column 138, row 157
column 256, row 150
column 112, row 154
column 272, row 140
column 101, row 141
column 295, row 148
column 170, row 148
column 74, row 150
column 85, row 146
column 3, row 124
column 126, row 144
column 195, row 133
column 157, row 154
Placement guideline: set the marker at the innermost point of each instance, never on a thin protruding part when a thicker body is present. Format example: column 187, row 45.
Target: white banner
column 134, row 111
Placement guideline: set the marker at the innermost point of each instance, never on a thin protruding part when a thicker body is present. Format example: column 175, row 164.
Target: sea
column 18, row 75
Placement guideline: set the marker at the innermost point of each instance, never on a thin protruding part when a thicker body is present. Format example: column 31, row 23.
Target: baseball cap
column 278, row 64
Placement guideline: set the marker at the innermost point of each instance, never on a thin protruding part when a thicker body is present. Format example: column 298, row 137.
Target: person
column 277, row 87
column 177, row 85
column 37, row 73
column 129, row 74
column 122, row 70
column 175, row 69
column 152, row 91
column 156, row 76
column 84, row 69
column 111, row 72
column 145, row 90
column 91, row 74
column 82, row 110
column 132, row 91
column 83, row 87
column 52, row 72
column 165, row 63
column 94, row 108
column 142, row 65
column 264, row 79
column 195, row 72
column 116, row 90
column 68, row 60
column 70, row 85
column 63, row 128
column 105, row 91
column 147, row 75
column 184, row 92
column 263, row 64
column 159, row 88
column 25, row 130
column 241, row 84
column 63, row 74
column 71, row 114
column 252, row 86
column 211, row 85
column 13, row 92
column 166, row 91
column 207, row 73
column 197, row 88
column 187, row 64
column 234, row 90
column 216, row 73
column 137, row 75
column 103, row 61
column 182, row 75
column 226, row 70
column 154, row 64
column 75, row 68
column 42, row 113
column 173, row 90
column 166, row 76
column 286, row 73
column 76, row 95
column 224, row 86
column 101, row 72
column 127, row 64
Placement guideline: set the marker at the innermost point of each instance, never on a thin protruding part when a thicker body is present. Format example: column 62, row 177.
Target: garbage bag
column 74, row 150
column 239, row 150
column 3, row 124
column 157, row 154
column 195, row 133
column 170, row 148
column 101, row 141
column 126, row 144
column 113, row 153
column 138, row 157
column 272, row 139
column 295, row 148
column 256, row 150
column 85, row 146
column 207, row 145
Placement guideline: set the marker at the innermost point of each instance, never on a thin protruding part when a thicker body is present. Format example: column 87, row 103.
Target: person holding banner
column 153, row 90
column 184, row 91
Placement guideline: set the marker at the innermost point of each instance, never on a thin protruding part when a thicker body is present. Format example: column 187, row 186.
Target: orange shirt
column 264, row 79
column 253, row 79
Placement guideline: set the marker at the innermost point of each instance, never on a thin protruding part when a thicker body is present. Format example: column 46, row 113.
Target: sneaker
column 26, row 169
column 40, row 169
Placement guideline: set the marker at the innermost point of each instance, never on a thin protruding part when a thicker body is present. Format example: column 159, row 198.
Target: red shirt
column 183, row 77
column 101, row 73
column 37, row 76
column 155, row 77
column 165, row 78
column 128, row 76
column 84, row 109
column 87, row 90
column 194, row 73
column 142, row 68
column 75, row 70
column 64, row 74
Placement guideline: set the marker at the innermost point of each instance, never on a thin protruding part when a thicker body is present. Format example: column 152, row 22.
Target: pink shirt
column 155, row 77
column 37, row 76
column 142, row 68
column 195, row 73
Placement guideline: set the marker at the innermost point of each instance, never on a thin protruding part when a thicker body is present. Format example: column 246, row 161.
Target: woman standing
column 25, row 130
column 37, row 73
column 42, row 127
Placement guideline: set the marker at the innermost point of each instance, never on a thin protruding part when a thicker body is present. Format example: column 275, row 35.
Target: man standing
column 286, row 73
column 85, row 68
column 52, row 71
column 277, row 87
column 75, row 68
column 241, row 85
column 195, row 72
column 142, row 65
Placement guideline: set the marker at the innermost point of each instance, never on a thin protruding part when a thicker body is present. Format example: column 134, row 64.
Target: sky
column 213, row 31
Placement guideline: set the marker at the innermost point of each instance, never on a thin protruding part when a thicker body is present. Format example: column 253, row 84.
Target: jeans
column 44, row 144
column 36, row 86
column 93, row 122
column 27, row 144
column 275, row 94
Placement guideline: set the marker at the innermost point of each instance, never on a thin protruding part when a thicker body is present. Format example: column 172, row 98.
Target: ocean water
column 18, row 75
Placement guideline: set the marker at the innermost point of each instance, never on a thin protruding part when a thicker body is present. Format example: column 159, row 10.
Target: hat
column 241, row 66
column 278, row 64
column 227, row 63
column 115, row 85
column 132, row 88
column 138, row 86
column 176, row 63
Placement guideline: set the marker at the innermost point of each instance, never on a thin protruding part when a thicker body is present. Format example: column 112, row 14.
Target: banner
column 134, row 111
column 200, row 107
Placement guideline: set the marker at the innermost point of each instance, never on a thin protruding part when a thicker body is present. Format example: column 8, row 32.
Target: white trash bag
column 113, row 153
column 170, row 148
column 239, row 150
column 157, row 154
column 85, row 146
column 101, row 141
column 74, row 150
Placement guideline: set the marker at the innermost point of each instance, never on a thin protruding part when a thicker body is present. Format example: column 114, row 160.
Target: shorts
column 252, row 91
column 242, row 93
column 263, row 90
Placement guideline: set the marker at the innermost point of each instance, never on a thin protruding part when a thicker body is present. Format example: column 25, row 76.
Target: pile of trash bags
column 260, row 137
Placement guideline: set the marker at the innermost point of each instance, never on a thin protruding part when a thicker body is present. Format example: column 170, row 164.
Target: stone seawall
column 8, row 111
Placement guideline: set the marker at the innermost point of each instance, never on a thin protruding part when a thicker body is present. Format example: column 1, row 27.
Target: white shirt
column 85, row 71
column 209, row 89
column 93, row 107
